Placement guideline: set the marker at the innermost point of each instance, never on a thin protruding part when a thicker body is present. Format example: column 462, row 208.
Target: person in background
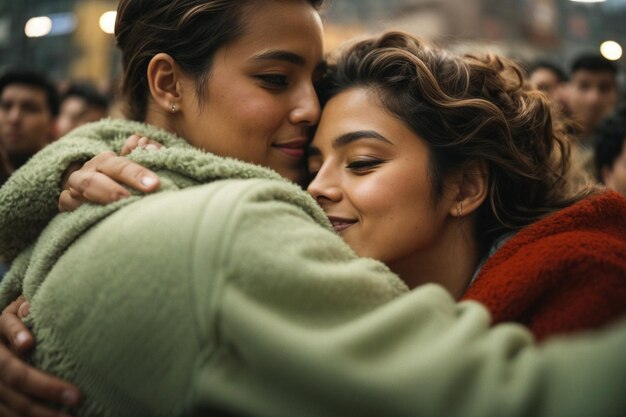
column 80, row 104
column 593, row 92
column 549, row 78
column 29, row 106
column 591, row 96
column 610, row 151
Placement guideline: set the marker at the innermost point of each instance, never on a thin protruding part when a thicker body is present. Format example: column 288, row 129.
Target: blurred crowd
column 34, row 111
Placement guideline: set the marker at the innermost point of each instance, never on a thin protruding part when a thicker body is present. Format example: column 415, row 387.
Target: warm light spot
column 107, row 22
column 37, row 27
column 611, row 50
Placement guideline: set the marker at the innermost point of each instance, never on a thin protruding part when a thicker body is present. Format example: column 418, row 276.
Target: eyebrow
column 348, row 138
column 279, row 55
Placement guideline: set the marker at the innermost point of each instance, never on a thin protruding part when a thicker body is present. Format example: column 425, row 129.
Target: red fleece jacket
column 563, row 273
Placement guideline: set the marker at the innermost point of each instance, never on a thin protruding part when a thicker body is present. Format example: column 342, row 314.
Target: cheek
column 400, row 203
column 259, row 114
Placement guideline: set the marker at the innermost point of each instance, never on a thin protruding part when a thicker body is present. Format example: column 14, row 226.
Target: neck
column 159, row 118
column 450, row 262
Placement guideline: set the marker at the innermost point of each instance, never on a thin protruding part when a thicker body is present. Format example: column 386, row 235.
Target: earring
column 459, row 210
column 173, row 108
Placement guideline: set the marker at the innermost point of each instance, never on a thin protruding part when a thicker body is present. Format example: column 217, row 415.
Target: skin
column 26, row 124
column 373, row 182
column 260, row 97
column 273, row 67
column 545, row 80
column 592, row 97
column 615, row 176
column 75, row 111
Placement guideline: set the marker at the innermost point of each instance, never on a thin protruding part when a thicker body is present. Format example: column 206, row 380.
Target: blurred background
column 72, row 39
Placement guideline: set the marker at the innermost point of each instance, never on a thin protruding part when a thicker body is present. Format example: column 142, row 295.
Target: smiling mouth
column 293, row 149
column 341, row 224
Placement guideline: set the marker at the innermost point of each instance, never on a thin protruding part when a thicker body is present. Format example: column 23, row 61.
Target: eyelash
column 273, row 81
column 363, row 165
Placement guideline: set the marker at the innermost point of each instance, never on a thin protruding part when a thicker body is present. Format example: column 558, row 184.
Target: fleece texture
column 236, row 298
column 28, row 200
column 564, row 273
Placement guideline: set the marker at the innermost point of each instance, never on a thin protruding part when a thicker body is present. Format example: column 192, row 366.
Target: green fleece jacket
column 236, row 298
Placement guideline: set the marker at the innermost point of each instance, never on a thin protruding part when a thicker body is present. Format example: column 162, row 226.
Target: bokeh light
column 37, row 27
column 611, row 50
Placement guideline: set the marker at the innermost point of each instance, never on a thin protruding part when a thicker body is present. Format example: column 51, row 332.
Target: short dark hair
column 190, row 31
column 593, row 63
column 89, row 93
column 36, row 80
column 609, row 140
column 560, row 74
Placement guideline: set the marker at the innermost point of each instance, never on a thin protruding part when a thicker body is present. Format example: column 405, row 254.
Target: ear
column 164, row 80
column 471, row 189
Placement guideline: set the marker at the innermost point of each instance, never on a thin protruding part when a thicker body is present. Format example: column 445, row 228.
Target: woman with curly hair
column 450, row 170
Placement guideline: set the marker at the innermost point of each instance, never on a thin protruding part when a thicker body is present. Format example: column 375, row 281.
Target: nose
column 325, row 187
column 14, row 114
column 307, row 109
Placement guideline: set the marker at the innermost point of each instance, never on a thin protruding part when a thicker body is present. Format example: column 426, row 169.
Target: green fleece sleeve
column 305, row 328
column 28, row 200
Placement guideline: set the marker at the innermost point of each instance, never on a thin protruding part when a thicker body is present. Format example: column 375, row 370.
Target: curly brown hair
column 190, row 31
column 467, row 108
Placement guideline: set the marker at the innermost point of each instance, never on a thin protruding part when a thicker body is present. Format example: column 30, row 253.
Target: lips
column 340, row 224
column 293, row 149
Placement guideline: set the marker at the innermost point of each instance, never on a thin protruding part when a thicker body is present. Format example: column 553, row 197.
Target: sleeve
column 28, row 200
column 300, row 326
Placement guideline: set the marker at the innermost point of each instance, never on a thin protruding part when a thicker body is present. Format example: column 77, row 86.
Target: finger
column 130, row 173
column 153, row 146
column 13, row 330
column 95, row 187
column 13, row 403
column 143, row 141
column 129, row 145
column 14, row 306
column 103, row 190
column 67, row 202
column 23, row 310
column 18, row 377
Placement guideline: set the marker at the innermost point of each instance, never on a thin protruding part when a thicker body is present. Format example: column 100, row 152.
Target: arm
column 309, row 329
column 28, row 200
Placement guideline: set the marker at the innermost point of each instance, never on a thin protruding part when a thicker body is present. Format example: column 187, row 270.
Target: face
column 545, row 80
column 75, row 111
column 592, row 97
column 26, row 124
column 260, row 99
column 615, row 177
column 373, row 181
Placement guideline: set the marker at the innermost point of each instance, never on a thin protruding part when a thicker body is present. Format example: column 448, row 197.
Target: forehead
column 544, row 74
column 596, row 77
column 358, row 109
column 281, row 24
column 23, row 92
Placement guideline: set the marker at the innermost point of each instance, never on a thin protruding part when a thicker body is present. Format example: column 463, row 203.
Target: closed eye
column 364, row 165
column 273, row 81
